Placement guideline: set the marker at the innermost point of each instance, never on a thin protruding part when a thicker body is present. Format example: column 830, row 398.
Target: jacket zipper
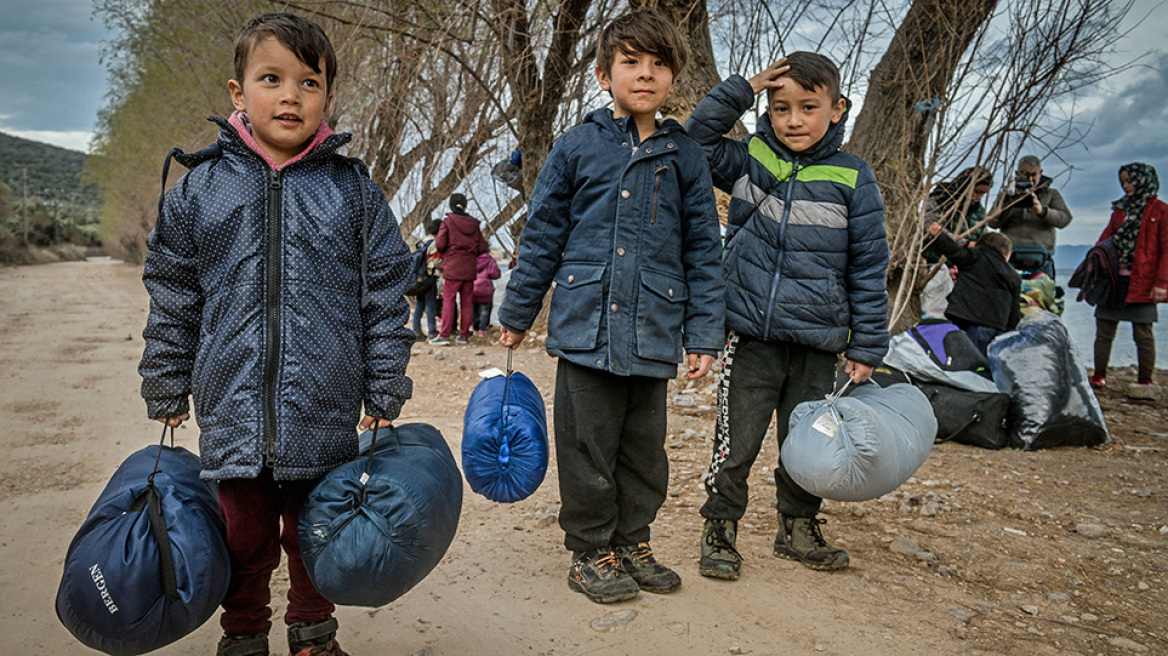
column 272, row 339
column 766, row 331
column 661, row 168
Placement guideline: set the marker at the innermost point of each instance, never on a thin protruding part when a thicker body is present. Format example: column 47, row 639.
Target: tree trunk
column 906, row 90
column 701, row 72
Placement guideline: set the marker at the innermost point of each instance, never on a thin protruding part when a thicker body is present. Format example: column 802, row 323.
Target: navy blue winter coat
column 806, row 254
column 257, row 308
column 629, row 234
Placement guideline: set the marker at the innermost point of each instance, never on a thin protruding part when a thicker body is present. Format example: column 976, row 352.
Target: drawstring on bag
column 505, row 447
column 151, row 499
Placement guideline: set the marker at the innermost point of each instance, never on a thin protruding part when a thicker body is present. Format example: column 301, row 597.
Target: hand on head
column 770, row 77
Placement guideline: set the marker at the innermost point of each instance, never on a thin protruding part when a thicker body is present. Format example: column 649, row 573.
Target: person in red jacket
column 484, row 291
column 1139, row 229
column 460, row 242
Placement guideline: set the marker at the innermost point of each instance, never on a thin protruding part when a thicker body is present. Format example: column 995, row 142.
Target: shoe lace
column 642, row 553
column 606, row 563
column 719, row 538
column 816, row 534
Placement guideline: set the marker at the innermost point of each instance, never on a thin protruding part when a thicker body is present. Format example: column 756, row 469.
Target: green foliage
column 62, row 206
column 170, row 66
column 51, row 170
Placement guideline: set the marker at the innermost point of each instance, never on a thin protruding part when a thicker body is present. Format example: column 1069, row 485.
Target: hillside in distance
column 53, row 172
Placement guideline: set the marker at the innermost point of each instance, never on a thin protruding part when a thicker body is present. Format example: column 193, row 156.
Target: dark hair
column 433, row 226
column 955, row 192
column 812, row 70
column 641, row 31
column 300, row 35
column 995, row 241
column 457, row 203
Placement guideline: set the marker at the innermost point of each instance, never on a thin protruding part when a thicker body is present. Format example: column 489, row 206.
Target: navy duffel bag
column 150, row 563
column 374, row 527
column 504, row 438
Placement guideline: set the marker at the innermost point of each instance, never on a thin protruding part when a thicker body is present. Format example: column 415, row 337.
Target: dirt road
column 981, row 553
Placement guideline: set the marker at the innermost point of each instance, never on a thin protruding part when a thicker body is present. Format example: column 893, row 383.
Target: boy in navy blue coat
column 275, row 273
column 623, row 221
column 805, row 271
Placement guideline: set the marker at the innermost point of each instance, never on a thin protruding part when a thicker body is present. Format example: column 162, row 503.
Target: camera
column 1022, row 188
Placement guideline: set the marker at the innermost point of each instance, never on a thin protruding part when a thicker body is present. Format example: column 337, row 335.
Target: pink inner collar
column 242, row 125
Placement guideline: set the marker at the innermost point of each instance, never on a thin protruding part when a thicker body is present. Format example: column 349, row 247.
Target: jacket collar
column 829, row 145
column 235, row 137
column 620, row 127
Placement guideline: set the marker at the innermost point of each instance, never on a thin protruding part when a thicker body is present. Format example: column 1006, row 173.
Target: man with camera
column 1030, row 211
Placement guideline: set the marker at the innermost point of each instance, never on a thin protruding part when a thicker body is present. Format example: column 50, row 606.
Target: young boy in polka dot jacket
column 275, row 273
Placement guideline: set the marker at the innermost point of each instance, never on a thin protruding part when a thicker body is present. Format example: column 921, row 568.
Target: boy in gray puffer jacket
column 805, row 272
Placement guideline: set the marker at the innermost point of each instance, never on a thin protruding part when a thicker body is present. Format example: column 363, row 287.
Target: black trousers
column 758, row 380
column 610, row 454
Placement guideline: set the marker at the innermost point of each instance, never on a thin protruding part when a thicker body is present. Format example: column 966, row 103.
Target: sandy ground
column 980, row 553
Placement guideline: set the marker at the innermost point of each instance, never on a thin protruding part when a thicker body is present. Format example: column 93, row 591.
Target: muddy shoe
column 1143, row 391
column 596, row 574
column 799, row 539
column 651, row 576
column 316, row 639
column 720, row 559
column 243, row 645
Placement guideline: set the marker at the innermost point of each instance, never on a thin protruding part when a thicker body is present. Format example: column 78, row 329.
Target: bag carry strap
column 152, row 500
column 505, row 447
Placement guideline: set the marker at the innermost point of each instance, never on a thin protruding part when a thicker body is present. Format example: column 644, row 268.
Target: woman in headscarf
column 956, row 205
column 1139, row 230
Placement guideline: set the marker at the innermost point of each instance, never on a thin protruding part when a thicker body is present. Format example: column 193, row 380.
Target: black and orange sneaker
column 596, row 574
column 637, row 561
column 316, row 639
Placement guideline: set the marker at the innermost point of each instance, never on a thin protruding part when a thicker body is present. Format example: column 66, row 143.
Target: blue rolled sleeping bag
column 149, row 564
column 504, row 438
column 374, row 527
column 861, row 446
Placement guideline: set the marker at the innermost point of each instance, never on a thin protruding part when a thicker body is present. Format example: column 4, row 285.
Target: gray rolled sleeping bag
column 860, row 446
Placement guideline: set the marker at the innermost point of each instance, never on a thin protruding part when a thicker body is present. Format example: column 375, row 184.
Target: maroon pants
column 252, row 509
column 465, row 291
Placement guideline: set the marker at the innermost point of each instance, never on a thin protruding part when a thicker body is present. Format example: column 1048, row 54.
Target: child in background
column 623, row 220
column 984, row 301
column 805, row 265
column 484, row 291
column 427, row 301
column 276, row 273
column 460, row 242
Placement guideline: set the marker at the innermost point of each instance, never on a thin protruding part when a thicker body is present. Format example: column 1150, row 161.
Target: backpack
column 949, row 347
column 421, row 274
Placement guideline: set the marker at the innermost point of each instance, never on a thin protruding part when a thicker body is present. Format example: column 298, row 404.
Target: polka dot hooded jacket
column 276, row 302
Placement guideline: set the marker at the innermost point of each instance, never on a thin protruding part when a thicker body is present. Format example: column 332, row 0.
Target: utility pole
column 24, row 198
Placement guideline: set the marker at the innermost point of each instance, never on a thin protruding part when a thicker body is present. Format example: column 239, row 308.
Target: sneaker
column 1097, row 381
column 482, row 333
column 720, row 558
column 597, row 575
column 243, row 645
column 316, row 639
column 799, row 539
column 439, row 341
column 461, row 340
column 637, row 561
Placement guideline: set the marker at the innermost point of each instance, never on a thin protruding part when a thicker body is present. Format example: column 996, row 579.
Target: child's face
column 639, row 83
column 284, row 98
column 800, row 117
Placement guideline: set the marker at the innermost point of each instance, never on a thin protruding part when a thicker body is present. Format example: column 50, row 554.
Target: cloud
column 1129, row 123
column 49, row 58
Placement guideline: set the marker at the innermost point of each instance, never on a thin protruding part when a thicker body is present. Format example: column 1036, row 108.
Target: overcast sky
column 54, row 83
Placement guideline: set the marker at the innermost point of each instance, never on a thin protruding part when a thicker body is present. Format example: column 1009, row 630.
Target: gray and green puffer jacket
column 806, row 255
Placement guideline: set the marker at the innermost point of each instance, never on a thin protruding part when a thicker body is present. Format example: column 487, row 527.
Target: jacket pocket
column 574, row 315
column 660, row 316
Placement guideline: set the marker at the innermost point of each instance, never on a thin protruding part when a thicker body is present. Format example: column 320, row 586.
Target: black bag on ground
column 975, row 418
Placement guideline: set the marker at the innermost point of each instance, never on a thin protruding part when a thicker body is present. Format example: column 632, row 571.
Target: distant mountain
column 1067, row 258
column 52, row 171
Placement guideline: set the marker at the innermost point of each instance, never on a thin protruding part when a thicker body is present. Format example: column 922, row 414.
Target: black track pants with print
column 758, row 380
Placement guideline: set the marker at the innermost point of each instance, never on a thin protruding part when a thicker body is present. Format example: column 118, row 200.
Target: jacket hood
column 619, row 127
column 831, row 142
column 467, row 225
